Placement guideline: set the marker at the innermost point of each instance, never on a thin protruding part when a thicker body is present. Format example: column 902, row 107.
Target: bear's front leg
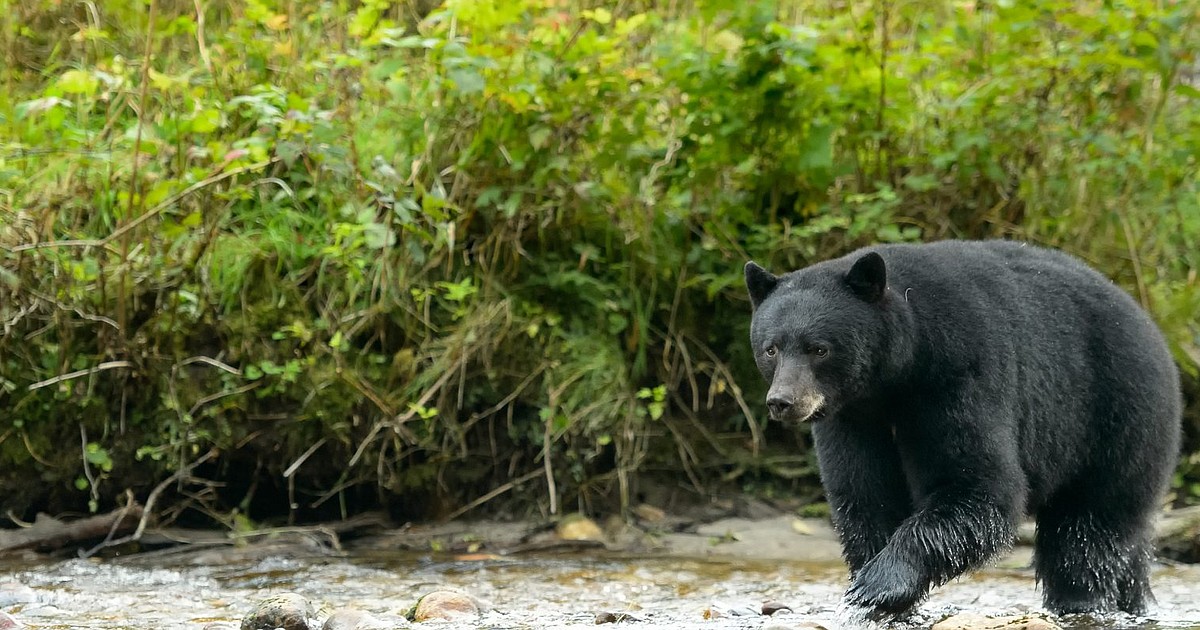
column 864, row 484
column 959, row 528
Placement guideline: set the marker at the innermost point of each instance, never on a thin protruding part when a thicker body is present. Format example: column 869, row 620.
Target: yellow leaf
column 277, row 22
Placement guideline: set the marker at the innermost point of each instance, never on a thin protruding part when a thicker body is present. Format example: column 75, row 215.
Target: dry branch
column 50, row 534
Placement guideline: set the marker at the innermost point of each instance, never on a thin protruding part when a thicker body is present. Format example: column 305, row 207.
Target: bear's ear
column 760, row 282
column 868, row 277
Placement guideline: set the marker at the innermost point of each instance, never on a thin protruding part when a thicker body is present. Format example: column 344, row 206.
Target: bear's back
column 1072, row 361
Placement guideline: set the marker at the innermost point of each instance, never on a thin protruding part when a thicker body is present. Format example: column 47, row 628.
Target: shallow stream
column 524, row 592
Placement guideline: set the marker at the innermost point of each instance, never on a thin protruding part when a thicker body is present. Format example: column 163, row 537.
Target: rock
column 220, row 625
column 285, row 610
column 16, row 593
column 449, row 605
column 349, row 619
column 579, row 527
column 649, row 513
column 974, row 621
column 719, row 610
column 7, row 622
column 770, row 608
column 611, row 617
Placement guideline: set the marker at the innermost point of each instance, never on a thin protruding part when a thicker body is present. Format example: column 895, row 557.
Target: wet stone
column 770, row 608
column 7, row 622
column 612, row 617
column 286, row 610
column 719, row 610
column 349, row 619
column 448, row 605
column 221, row 625
column 579, row 527
column 16, row 593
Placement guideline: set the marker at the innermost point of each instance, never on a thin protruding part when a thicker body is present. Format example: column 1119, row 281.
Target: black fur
column 955, row 386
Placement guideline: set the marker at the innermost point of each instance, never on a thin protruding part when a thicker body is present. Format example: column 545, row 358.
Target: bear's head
column 819, row 334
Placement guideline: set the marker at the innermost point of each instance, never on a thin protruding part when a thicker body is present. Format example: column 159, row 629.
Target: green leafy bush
column 384, row 249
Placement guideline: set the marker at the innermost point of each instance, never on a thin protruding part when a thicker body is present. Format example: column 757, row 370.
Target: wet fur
column 970, row 383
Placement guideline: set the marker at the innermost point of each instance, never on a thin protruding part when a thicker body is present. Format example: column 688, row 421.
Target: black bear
column 953, row 387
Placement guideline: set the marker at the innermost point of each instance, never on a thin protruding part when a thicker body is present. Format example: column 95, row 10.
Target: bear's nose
column 778, row 406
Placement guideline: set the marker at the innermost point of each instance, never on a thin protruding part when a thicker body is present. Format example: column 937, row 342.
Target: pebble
column 612, row 617
column 974, row 621
column 285, row 610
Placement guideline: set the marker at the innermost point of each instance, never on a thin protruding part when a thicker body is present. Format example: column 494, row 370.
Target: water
column 525, row 592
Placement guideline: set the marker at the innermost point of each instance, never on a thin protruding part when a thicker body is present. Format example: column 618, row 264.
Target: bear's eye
column 772, row 351
column 819, row 351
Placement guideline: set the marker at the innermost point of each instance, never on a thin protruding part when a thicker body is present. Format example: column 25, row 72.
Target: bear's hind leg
column 1093, row 560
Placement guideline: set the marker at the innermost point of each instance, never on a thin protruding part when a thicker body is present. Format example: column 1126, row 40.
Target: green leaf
column 921, row 183
column 816, row 150
column 466, row 81
column 378, row 236
column 538, row 136
column 600, row 15
column 458, row 291
column 1187, row 90
column 78, row 82
column 206, row 121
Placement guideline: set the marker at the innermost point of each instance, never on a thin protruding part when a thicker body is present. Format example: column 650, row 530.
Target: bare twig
column 304, row 457
column 219, row 395
column 476, row 417
column 107, row 365
column 723, row 371
column 64, row 243
column 213, row 362
column 1138, row 274
column 493, row 494
column 151, row 499
column 204, row 56
column 163, row 205
column 87, row 468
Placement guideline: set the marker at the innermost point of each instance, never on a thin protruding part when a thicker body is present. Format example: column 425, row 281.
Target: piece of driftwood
column 47, row 533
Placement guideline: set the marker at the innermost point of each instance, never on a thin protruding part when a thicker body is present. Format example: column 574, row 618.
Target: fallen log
column 1178, row 535
column 47, row 533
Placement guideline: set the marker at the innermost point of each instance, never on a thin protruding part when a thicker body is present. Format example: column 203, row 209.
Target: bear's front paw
column 887, row 587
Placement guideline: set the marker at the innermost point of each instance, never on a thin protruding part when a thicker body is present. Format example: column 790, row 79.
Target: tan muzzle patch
column 808, row 404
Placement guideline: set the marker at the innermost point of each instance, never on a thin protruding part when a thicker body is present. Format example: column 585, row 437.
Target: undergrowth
column 308, row 258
